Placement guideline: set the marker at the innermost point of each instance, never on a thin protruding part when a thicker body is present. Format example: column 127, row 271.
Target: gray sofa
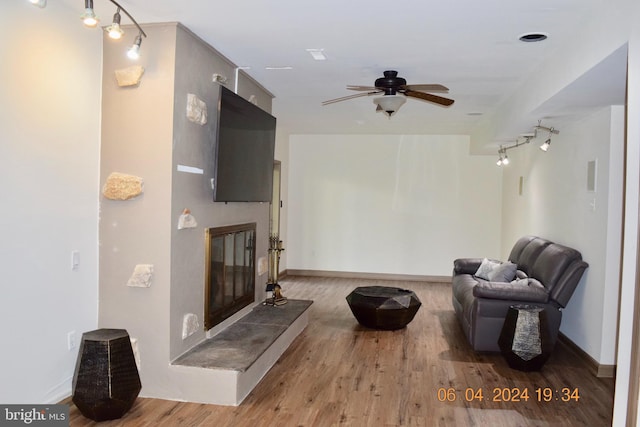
column 546, row 274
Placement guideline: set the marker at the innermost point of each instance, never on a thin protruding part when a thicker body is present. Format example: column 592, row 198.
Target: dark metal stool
column 106, row 380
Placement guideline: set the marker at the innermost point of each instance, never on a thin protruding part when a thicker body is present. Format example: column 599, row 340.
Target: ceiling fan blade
column 344, row 98
column 427, row 88
column 352, row 87
column 429, row 97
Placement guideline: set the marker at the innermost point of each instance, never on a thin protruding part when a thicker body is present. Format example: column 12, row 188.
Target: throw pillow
column 505, row 272
column 485, row 268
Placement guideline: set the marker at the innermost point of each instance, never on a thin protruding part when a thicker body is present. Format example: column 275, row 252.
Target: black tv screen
column 245, row 147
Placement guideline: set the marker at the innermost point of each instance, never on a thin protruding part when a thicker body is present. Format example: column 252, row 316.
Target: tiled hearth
column 243, row 353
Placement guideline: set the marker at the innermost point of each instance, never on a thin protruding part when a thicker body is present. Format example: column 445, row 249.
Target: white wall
column 390, row 203
column 556, row 205
column 49, row 116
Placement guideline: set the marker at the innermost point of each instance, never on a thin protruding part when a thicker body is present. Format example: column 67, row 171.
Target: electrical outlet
column 71, row 340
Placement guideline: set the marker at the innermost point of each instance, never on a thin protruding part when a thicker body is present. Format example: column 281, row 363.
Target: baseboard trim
column 361, row 275
column 597, row 369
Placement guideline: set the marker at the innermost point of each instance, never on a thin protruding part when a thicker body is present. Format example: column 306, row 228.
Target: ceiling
column 470, row 46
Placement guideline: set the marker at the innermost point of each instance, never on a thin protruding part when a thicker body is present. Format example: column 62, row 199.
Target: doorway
column 276, row 204
column 275, row 244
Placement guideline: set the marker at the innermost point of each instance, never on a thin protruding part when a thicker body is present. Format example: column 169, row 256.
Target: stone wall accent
column 142, row 276
column 187, row 220
column 196, row 109
column 120, row 186
column 129, row 76
column 190, row 325
column 136, row 351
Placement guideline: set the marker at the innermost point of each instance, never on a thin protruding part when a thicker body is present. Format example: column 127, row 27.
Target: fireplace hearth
column 230, row 271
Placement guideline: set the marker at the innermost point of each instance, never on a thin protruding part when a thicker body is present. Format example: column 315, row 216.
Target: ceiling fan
column 390, row 86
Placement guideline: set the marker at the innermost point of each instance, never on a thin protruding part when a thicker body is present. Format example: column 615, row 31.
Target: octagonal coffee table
column 383, row 307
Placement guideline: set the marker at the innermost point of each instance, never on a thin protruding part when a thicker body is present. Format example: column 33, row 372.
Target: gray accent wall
column 146, row 133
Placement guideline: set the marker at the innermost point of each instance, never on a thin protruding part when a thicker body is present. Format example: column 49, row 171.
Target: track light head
column 114, row 30
column 134, row 50
column 39, row 3
column 502, row 157
column 545, row 146
column 89, row 18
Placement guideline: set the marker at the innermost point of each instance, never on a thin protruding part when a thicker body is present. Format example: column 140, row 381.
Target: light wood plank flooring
column 339, row 373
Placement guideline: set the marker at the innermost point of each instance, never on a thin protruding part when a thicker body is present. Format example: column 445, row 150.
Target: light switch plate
column 75, row 260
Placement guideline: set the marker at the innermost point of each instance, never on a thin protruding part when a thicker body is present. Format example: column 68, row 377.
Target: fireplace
column 230, row 271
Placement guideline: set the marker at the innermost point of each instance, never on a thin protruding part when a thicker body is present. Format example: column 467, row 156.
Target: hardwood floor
column 339, row 373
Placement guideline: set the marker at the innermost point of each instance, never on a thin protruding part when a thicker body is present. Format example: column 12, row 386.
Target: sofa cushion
column 518, row 247
column 485, row 269
column 505, row 272
column 552, row 263
column 466, row 265
column 532, row 292
column 462, row 288
column 527, row 258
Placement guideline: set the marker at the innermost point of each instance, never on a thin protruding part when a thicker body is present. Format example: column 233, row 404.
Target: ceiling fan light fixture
column 389, row 87
column 390, row 103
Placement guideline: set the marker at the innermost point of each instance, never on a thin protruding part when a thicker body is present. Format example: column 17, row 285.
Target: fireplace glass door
column 230, row 273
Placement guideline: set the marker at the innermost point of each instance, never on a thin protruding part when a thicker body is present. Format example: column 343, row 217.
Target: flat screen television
column 244, row 151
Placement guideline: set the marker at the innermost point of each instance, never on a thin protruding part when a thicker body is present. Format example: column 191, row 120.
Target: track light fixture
column 39, row 3
column 545, row 146
column 503, row 159
column 502, row 151
column 114, row 30
column 134, row 50
column 89, row 18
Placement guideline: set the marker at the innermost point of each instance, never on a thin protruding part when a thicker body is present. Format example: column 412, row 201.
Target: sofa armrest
column 466, row 265
column 532, row 291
